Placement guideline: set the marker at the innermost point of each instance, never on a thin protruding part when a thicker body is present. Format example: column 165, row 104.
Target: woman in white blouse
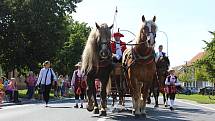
column 45, row 79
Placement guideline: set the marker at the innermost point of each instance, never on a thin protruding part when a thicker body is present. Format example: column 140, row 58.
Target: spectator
column 31, row 81
column 1, row 91
column 11, row 90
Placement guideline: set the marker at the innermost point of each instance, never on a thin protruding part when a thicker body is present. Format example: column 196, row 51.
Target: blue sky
column 186, row 22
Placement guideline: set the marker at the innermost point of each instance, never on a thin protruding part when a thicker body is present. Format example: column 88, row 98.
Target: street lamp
column 166, row 40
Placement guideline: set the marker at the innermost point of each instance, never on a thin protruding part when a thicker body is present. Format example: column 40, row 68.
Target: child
column 172, row 82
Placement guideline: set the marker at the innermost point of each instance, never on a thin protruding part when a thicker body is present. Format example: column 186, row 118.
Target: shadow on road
column 160, row 114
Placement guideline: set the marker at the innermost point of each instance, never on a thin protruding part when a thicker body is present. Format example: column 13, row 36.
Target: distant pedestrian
column 171, row 82
column 31, row 81
column 46, row 77
column 79, row 85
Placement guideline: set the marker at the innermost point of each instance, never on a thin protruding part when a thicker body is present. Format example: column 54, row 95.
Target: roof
column 196, row 58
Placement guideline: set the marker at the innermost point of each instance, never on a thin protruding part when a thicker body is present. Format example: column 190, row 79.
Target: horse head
column 163, row 63
column 148, row 31
column 103, row 40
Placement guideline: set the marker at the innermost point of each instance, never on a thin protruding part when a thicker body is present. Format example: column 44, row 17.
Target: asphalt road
column 62, row 110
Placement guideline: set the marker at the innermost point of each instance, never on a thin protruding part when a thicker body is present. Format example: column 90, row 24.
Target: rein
column 129, row 43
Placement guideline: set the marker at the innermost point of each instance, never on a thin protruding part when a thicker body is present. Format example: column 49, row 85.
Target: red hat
column 117, row 34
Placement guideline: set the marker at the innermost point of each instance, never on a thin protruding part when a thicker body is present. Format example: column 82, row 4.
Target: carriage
column 136, row 73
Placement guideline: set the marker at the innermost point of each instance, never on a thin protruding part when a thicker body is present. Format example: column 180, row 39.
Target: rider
column 160, row 53
column 79, row 85
column 118, row 47
column 171, row 82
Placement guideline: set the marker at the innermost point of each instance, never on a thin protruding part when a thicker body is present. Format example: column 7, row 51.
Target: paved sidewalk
column 32, row 101
column 22, row 101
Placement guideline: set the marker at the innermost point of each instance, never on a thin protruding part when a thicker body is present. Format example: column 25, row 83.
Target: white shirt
column 118, row 51
column 42, row 76
column 172, row 80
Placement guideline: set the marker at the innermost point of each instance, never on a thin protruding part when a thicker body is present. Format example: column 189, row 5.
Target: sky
column 182, row 24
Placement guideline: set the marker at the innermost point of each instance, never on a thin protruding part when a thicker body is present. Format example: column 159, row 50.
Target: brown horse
column 97, row 63
column 162, row 72
column 140, row 66
column 158, row 86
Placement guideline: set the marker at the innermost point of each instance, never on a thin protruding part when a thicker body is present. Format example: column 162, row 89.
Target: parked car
column 206, row 90
column 194, row 90
column 185, row 90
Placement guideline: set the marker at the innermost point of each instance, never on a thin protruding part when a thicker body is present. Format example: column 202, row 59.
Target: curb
column 25, row 101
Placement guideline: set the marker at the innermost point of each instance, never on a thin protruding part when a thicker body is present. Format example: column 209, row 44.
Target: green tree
column 71, row 53
column 208, row 61
column 32, row 31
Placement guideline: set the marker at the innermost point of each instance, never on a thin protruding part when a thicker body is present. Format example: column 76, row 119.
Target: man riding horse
column 162, row 66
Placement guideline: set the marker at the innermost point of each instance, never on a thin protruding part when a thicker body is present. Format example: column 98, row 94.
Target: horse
column 162, row 66
column 140, row 65
column 97, row 63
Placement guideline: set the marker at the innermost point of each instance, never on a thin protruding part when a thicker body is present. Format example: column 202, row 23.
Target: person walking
column 45, row 79
column 171, row 83
column 78, row 85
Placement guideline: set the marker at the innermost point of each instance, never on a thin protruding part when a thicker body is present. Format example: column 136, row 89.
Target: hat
column 78, row 64
column 117, row 34
column 171, row 71
column 47, row 62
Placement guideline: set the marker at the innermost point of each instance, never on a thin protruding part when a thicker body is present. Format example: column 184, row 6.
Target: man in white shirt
column 118, row 47
column 45, row 79
column 160, row 53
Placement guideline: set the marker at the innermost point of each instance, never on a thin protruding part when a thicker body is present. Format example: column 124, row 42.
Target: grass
column 202, row 99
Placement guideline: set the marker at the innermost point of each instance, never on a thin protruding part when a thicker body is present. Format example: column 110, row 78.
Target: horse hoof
column 148, row 102
column 137, row 115
column 143, row 115
column 90, row 109
column 96, row 111
column 103, row 113
column 156, row 106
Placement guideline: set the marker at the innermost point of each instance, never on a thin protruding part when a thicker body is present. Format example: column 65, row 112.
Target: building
column 188, row 66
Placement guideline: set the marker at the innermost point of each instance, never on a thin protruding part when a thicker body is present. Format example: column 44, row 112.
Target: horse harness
column 137, row 58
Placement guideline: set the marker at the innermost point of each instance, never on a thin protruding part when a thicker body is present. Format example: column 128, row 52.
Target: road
column 62, row 110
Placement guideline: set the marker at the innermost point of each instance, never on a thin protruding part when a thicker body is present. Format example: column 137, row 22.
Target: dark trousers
column 31, row 90
column 10, row 94
column 46, row 93
column 83, row 92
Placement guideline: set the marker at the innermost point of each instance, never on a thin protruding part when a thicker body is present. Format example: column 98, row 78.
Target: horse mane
column 90, row 56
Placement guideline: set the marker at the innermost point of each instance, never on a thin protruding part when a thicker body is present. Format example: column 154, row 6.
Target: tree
column 71, row 53
column 32, row 31
column 208, row 61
